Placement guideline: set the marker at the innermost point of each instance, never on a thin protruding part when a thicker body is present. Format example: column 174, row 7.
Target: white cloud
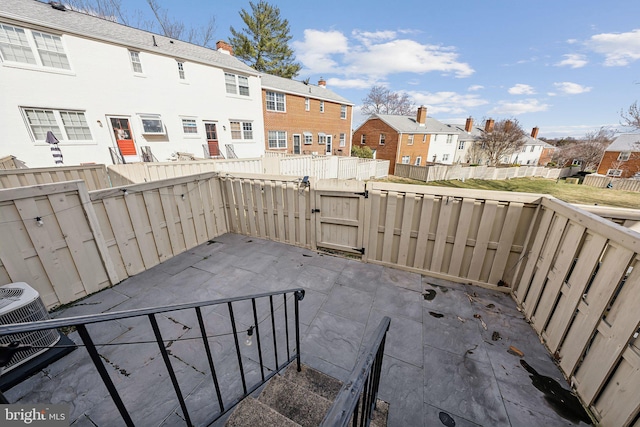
column 474, row 88
column 619, row 49
column 572, row 41
column 374, row 55
column 317, row 49
column 350, row 83
column 569, row 88
column 520, row 107
column 447, row 102
column 521, row 89
column 573, row 60
column 367, row 37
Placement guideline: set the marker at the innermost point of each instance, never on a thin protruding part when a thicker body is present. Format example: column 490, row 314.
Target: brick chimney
column 469, row 125
column 224, row 47
column 534, row 132
column 422, row 115
column 322, row 82
column 488, row 125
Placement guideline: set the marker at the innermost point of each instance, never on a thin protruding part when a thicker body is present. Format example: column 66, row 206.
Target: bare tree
column 113, row 10
column 588, row 151
column 381, row 100
column 631, row 117
column 506, row 137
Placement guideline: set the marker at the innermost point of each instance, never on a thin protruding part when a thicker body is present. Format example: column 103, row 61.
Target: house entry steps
column 295, row 399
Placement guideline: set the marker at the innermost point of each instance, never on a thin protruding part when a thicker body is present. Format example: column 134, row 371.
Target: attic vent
column 57, row 5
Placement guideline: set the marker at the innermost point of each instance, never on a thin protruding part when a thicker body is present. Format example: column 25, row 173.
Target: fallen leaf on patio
column 496, row 336
column 515, row 351
column 477, row 316
column 461, row 319
column 490, row 305
column 470, row 297
column 429, row 294
column 436, row 315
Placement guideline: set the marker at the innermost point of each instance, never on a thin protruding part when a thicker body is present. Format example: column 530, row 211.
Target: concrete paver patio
column 446, row 351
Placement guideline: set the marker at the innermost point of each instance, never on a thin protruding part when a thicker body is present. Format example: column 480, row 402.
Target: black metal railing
column 356, row 401
column 276, row 304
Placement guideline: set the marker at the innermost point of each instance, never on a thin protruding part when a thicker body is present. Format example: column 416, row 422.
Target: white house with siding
column 110, row 92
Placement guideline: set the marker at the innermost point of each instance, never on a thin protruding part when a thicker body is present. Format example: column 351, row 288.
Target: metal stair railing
column 356, row 401
column 81, row 322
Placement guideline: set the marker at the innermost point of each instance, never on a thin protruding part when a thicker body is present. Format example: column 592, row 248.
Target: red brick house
column 402, row 139
column 301, row 118
column 622, row 158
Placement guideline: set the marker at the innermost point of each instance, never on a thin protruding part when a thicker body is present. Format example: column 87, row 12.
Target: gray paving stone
column 462, row 386
column 93, row 304
column 401, row 384
column 432, row 418
column 448, row 300
column 176, row 264
column 453, row 335
column 399, row 301
column 521, row 416
column 317, row 278
column 349, row 303
column 334, row 339
column 404, row 339
column 402, row 279
column 364, row 277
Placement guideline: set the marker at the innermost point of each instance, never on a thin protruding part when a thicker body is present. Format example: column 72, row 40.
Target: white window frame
column 245, row 129
column 136, row 62
column 533, row 147
column 189, row 127
column 322, row 106
column 307, row 104
column 614, row 172
column 418, row 161
column 280, row 139
column 363, row 139
column 238, row 86
column 60, row 122
column 322, row 138
column 424, row 138
column 276, row 101
column 624, row 156
column 445, row 157
column 35, row 46
column 405, row 160
column 343, row 140
column 343, row 112
column 410, row 139
column 460, row 145
column 308, row 138
column 449, row 138
column 181, row 73
column 383, row 139
column 152, row 124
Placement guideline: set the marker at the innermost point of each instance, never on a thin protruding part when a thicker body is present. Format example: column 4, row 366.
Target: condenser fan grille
column 9, row 296
column 31, row 312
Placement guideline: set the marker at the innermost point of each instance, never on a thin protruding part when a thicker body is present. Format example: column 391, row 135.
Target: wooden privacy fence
column 461, row 235
column 95, row 176
column 67, row 242
column 617, row 183
column 579, row 287
column 444, row 172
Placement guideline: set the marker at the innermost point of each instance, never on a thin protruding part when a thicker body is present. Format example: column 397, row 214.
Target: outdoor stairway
column 295, row 399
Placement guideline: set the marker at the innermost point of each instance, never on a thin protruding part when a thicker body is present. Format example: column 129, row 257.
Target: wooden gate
column 339, row 220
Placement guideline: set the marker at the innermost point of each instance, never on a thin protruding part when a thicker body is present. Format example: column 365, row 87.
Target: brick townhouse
column 301, row 118
column 622, row 158
column 403, row 139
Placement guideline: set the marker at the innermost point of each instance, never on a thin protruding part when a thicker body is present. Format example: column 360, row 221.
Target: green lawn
column 570, row 193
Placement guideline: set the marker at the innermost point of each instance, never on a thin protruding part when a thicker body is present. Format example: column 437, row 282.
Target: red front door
column 212, row 139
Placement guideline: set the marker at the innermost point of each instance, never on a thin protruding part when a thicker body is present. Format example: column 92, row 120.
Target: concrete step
column 295, row 402
column 314, row 380
column 251, row 412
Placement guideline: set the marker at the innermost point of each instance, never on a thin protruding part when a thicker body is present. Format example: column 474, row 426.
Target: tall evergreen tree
column 264, row 43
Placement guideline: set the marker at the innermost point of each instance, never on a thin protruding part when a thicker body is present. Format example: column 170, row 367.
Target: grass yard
column 570, row 193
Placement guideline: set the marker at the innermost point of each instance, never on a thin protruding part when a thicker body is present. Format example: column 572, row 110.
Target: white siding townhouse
column 106, row 90
column 530, row 152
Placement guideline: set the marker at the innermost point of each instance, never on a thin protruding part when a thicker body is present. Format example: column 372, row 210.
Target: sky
column 567, row 67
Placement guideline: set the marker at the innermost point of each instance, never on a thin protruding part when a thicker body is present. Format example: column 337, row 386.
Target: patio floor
column 446, row 351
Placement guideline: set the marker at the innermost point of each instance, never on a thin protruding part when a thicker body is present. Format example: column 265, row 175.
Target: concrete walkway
column 446, row 354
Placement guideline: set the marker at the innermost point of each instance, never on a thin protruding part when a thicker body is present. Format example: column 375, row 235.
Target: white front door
column 329, row 140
